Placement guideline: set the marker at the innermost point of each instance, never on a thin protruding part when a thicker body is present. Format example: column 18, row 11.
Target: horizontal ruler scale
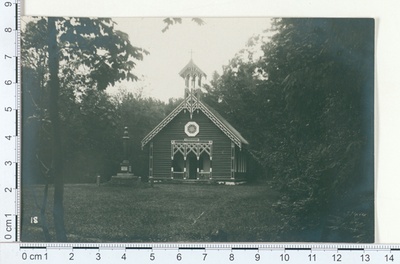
column 201, row 253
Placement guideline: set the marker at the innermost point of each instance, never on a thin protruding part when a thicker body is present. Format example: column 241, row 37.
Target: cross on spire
column 191, row 54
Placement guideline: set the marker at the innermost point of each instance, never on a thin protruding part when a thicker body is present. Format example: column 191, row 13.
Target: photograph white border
column 387, row 130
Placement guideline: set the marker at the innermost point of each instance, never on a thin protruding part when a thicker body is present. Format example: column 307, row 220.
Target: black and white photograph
column 204, row 129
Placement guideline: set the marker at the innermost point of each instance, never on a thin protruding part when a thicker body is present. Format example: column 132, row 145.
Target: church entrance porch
column 192, row 166
column 191, row 159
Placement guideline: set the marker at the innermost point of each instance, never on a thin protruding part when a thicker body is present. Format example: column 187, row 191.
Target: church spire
column 193, row 76
column 191, row 54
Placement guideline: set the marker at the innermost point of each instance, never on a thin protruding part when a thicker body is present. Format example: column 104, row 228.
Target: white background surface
column 387, row 93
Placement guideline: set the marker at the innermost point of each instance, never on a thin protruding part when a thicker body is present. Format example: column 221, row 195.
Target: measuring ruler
column 199, row 253
column 10, row 117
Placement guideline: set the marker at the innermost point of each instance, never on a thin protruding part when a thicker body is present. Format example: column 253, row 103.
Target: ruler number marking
column 285, row 257
column 8, row 4
column 312, row 257
column 98, row 256
column 365, row 257
column 257, row 257
column 32, row 256
column 7, row 57
column 179, row 256
column 8, row 226
column 123, row 256
column 152, row 256
column 337, row 257
column 71, row 256
column 8, row 30
column 7, row 189
column 204, row 256
column 389, row 258
column 8, row 82
column 231, row 257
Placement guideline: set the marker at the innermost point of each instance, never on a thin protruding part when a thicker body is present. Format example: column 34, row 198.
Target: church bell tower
column 193, row 76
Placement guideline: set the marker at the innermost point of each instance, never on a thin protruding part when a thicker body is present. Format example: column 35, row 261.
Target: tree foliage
column 170, row 21
column 140, row 115
column 72, row 57
column 310, row 99
column 76, row 127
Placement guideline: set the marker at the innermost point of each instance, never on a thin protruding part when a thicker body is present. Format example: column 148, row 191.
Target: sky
column 211, row 45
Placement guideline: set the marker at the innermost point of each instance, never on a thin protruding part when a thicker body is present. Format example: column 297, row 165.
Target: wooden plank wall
column 221, row 163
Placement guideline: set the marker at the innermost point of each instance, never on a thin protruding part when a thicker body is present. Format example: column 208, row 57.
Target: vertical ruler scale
column 10, row 120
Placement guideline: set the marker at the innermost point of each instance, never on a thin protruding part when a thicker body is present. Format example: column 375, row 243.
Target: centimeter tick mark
column 146, row 248
column 32, row 247
column 244, row 248
column 192, row 248
column 85, row 247
column 16, row 69
column 16, row 16
column 350, row 249
column 16, row 122
column 16, row 224
column 16, row 175
column 296, row 249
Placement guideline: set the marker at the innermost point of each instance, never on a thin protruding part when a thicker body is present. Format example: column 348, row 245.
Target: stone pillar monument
column 125, row 175
column 125, row 164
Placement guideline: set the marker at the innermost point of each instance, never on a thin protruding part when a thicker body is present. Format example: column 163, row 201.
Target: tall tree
column 310, row 96
column 82, row 54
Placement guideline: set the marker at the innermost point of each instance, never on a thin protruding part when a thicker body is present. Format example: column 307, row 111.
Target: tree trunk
column 45, row 226
column 54, row 83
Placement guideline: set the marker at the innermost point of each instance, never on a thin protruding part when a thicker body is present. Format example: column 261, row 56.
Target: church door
column 192, row 163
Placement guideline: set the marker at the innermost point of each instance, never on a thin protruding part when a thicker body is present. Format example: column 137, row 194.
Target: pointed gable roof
column 227, row 124
column 191, row 103
column 191, row 69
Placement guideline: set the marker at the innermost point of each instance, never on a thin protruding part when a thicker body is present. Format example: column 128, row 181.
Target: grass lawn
column 164, row 213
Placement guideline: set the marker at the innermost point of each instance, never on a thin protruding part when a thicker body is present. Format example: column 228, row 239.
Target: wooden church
column 194, row 142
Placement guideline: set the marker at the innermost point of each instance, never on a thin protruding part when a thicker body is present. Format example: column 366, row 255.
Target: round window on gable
column 191, row 129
